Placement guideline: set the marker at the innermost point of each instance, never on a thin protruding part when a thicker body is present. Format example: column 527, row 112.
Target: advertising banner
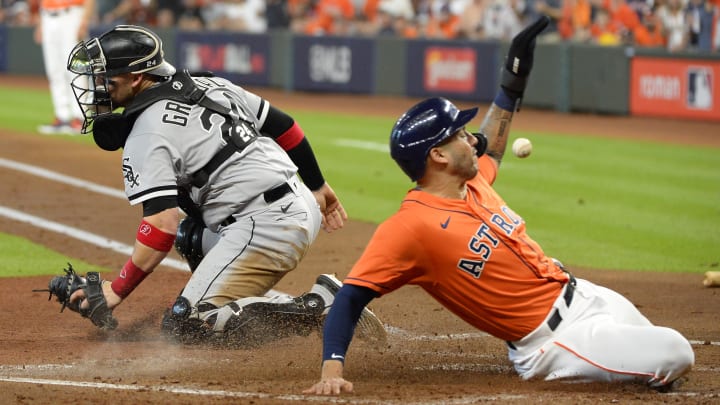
column 675, row 88
column 334, row 64
column 452, row 69
column 241, row 58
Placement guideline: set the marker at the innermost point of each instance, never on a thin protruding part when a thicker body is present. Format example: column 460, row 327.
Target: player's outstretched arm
column 338, row 331
column 514, row 77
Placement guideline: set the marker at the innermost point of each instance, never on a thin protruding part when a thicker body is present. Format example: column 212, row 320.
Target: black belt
column 57, row 12
column 270, row 196
column 555, row 318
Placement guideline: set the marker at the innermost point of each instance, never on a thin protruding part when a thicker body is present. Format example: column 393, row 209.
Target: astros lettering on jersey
column 485, row 268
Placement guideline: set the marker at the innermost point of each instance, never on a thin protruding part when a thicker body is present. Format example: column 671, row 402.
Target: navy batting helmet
column 421, row 128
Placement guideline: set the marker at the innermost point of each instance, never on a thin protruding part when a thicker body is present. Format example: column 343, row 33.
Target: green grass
column 591, row 201
column 22, row 258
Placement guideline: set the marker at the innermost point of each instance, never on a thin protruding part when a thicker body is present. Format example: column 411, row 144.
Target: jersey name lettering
column 177, row 113
column 483, row 241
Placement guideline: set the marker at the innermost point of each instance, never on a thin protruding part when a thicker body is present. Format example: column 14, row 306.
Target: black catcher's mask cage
column 90, row 84
column 124, row 49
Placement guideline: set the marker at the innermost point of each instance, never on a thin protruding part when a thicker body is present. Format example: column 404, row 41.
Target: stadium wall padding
column 566, row 77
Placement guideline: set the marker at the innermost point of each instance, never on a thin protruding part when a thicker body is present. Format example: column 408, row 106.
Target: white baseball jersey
column 170, row 141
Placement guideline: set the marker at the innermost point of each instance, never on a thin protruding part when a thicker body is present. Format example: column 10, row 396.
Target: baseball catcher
column 93, row 306
column 240, row 169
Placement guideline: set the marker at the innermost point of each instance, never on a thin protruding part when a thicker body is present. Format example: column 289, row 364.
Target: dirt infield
column 431, row 356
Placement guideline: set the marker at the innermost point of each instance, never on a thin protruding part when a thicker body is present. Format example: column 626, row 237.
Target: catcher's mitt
column 64, row 286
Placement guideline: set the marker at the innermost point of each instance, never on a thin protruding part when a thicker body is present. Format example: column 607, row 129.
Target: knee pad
column 178, row 325
column 259, row 323
column 188, row 242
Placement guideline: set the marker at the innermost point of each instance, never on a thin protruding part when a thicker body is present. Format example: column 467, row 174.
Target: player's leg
column 255, row 321
column 251, row 256
column 54, row 68
column 603, row 337
column 66, row 97
column 603, row 350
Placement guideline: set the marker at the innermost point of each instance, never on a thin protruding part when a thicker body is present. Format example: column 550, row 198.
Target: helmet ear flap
column 110, row 131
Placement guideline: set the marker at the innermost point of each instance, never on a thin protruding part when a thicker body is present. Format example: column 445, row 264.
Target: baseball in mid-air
column 522, row 147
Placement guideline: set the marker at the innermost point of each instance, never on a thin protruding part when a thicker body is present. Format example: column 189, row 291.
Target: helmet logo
column 151, row 63
column 176, row 85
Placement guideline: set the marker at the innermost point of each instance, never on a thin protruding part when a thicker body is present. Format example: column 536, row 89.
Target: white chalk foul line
column 81, row 235
column 367, row 145
column 61, row 178
column 703, row 343
column 126, row 249
column 239, row 394
column 168, row 388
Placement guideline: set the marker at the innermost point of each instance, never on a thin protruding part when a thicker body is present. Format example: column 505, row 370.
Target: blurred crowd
column 676, row 25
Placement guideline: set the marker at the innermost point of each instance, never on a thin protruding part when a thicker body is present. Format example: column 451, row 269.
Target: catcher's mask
column 421, row 128
column 124, row 49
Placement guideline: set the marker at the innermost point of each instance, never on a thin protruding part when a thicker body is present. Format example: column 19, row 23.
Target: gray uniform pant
column 248, row 257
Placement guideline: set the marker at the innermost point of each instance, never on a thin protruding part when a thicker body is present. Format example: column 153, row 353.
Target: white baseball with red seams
column 522, row 147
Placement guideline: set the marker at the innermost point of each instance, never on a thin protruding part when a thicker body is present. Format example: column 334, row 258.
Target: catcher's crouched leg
column 256, row 323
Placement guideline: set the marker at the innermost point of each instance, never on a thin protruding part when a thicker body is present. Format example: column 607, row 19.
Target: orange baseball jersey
column 473, row 256
column 60, row 4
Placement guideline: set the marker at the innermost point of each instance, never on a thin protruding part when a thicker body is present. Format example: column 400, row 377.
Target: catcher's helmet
column 124, row 49
column 421, row 128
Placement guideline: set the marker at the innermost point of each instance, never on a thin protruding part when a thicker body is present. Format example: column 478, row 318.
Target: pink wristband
column 130, row 277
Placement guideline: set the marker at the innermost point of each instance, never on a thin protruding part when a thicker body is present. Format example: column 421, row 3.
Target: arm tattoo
column 496, row 127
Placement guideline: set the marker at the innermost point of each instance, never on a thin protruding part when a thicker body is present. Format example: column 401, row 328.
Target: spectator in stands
column 439, row 18
column 623, row 14
column 238, row 15
column 674, row 22
column 640, row 7
column 300, row 12
column 471, row 20
column 136, row 12
column 716, row 37
column 502, row 19
column 700, row 14
column 442, row 24
column 554, row 10
column 380, row 17
column 16, row 13
column 277, row 14
column 577, row 18
column 604, row 30
column 331, row 17
column 406, row 24
column 649, row 33
column 183, row 14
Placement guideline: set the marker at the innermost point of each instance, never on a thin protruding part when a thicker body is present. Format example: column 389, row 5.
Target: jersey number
column 240, row 132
